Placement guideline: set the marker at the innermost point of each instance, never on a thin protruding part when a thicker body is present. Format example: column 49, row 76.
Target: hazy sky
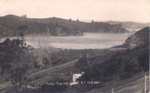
column 99, row 10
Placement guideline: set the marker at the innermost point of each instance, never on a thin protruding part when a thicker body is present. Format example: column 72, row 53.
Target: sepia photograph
column 74, row 46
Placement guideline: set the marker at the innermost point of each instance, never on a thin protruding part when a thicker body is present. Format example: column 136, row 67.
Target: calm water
column 88, row 41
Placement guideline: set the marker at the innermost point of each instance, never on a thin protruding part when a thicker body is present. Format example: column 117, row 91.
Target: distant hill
column 54, row 26
column 130, row 25
column 10, row 24
column 83, row 26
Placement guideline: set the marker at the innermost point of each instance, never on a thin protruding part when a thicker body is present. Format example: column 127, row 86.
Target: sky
column 86, row 10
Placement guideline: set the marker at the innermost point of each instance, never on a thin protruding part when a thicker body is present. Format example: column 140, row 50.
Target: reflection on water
column 88, row 41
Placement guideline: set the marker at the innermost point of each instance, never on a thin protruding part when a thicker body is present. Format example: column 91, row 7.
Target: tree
column 18, row 78
column 82, row 63
column 92, row 21
column 144, row 61
column 21, row 30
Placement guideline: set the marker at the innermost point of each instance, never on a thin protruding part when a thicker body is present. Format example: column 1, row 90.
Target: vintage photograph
column 74, row 46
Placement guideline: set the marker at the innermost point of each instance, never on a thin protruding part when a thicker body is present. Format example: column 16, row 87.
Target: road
column 55, row 67
column 2, row 86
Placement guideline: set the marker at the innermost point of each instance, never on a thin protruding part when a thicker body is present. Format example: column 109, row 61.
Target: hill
column 136, row 39
column 139, row 38
column 83, row 26
column 12, row 23
column 54, row 26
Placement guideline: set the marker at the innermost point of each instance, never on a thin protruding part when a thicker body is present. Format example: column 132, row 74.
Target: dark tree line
column 10, row 51
column 11, row 54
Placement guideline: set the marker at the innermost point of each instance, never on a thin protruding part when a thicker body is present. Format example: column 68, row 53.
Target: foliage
column 82, row 63
column 18, row 78
column 144, row 61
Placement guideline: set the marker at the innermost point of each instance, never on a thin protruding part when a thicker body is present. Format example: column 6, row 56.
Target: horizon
column 85, row 10
column 87, row 21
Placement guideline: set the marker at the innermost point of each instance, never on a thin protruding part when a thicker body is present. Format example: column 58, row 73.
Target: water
column 88, row 41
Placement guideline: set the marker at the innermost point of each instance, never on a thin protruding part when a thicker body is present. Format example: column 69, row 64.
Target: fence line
column 145, row 85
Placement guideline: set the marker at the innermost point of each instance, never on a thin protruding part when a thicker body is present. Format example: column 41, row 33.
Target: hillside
column 83, row 26
column 136, row 39
column 54, row 26
column 11, row 23
column 122, row 64
column 139, row 38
